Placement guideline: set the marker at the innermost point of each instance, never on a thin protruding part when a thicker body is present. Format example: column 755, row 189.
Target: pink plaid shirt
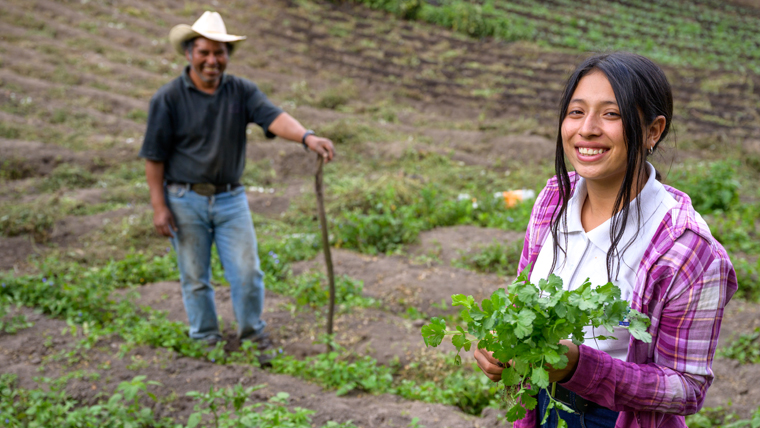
column 684, row 281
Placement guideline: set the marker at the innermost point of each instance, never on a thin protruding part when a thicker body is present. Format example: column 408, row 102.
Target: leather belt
column 207, row 189
column 566, row 397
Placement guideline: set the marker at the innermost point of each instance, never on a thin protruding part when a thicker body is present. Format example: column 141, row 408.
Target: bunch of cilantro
column 524, row 326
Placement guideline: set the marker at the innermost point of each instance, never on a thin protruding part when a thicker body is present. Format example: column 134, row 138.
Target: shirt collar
column 189, row 82
column 574, row 206
column 650, row 198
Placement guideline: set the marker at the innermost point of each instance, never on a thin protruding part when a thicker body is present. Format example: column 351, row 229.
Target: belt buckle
column 204, row 189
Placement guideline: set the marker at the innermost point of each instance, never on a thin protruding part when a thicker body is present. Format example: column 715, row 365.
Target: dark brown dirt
column 447, row 244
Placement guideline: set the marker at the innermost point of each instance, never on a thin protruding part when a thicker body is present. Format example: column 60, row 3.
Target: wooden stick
column 326, row 247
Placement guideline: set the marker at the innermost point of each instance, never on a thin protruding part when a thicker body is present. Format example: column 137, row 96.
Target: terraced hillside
column 428, row 123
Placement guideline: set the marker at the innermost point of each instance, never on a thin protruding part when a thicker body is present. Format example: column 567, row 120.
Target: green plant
column 335, row 371
column 138, row 115
column 69, row 176
column 494, row 258
column 310, row 289
column 15, row 323
column 51, row 406
column 349, row 132
column 227, row 409
column 747, row 275
column 713, row 417
column 745, row 348
column 711, row 187
column 523, row 326
column 336, row 96
column 258, row 173
column 15, row 168
column 36, row 219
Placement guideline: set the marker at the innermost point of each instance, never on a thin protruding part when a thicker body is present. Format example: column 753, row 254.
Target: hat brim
column 183, row 32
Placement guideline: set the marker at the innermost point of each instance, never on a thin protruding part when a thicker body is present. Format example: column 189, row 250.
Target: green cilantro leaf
column 539, row 377
column 433, row 333
column 510, row 377
column 462, row 300
column 516, row 413
column 638, row 330
column 524, row 325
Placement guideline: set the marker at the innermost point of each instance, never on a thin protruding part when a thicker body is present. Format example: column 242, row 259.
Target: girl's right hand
column 488, row 364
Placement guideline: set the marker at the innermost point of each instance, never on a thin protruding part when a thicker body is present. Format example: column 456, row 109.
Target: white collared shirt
column 586, row 253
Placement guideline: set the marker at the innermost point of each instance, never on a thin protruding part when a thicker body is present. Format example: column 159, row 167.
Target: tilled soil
column 24, row 352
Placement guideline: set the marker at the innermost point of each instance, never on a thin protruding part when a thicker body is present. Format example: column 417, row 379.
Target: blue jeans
column 594, row 417
column 223, row 218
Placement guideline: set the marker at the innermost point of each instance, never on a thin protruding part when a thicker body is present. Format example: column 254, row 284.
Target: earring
column 650, row 151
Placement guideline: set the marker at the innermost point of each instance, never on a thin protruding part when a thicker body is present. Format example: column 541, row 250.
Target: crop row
column 700, row 38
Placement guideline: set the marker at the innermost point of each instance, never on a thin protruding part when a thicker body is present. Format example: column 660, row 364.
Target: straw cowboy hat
column 209, row 25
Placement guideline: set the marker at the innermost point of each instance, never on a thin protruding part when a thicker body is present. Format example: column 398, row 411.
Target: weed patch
column 494, row 258
column 225, row 407
column 14, row 168
column 36, row 219
column 745, row 348
column 710, row 417
column 469, row 390
column 344, row 132
column 711, row 187
column 11, row 324
column 70, row 176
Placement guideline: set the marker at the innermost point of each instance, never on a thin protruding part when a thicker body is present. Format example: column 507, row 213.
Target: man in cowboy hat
column 195, row 154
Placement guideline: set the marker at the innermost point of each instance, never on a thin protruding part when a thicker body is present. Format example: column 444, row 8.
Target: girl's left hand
column 563, row 375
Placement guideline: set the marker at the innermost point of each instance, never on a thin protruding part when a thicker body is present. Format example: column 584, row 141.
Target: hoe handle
column 326, row 248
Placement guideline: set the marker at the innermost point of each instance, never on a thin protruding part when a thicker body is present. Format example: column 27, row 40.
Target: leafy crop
column 706, row 35
column 525, row 327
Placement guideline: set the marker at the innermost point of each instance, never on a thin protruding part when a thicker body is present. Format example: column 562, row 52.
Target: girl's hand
column 488, row 364
column 493, row 367
column 563, row 375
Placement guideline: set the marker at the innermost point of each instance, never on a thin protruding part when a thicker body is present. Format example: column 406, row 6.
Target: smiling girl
column 612, row 220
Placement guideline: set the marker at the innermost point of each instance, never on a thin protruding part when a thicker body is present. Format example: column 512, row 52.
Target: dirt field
column 75, row 81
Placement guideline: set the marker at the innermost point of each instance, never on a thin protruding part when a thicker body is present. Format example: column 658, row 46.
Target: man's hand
column 321, row 146
column 488, row 364
column 163, row 221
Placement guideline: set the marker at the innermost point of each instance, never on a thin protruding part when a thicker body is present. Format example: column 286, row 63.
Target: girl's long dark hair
column 643, row 93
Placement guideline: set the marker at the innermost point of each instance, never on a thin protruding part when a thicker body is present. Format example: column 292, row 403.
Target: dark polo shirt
column 200, row 137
